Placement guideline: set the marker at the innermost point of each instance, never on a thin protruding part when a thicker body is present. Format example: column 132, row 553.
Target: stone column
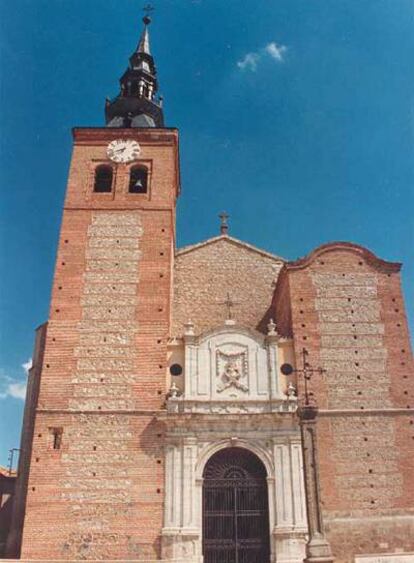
column 318, row 549
column 173, row 501
column 189, row 338
column 189, row 459
column 274, row 382
column 288, row 535
column 298, row 486
column 283, row 486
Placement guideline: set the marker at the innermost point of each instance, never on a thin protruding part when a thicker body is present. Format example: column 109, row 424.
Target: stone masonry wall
column 348, row 312
column 203, row 276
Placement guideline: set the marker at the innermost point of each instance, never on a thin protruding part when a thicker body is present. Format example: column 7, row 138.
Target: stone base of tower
column 186, row 560
column 289, row 547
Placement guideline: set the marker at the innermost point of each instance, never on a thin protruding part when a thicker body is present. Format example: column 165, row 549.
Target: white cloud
column 16, row 390
column 14, row 387
column 251, row 60
column 27, row 365
column 276, row 51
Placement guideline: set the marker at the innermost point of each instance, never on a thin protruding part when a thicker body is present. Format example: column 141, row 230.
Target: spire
column 136, row 104
column 144, row 44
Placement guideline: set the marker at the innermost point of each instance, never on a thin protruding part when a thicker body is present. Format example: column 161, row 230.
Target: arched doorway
column 235, row 508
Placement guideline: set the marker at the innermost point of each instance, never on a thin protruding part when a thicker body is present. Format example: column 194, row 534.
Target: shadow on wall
column 7, row 485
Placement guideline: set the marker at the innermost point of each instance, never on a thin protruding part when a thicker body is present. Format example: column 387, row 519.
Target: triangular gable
column 230, row 240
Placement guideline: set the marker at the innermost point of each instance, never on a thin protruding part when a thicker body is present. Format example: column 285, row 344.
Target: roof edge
column 191, row 247
column 369, row 257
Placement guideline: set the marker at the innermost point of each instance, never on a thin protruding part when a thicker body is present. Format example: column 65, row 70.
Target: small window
column 56, row 438
column 103, row 179
column 138, row 181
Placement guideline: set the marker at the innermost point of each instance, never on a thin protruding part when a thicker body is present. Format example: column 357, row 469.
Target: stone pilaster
column 318, row 549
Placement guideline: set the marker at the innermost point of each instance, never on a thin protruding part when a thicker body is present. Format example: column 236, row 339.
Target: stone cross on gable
column 224, row 227
column 229, row 303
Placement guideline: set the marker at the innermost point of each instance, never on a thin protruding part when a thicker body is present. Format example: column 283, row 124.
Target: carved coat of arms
column 232, row 371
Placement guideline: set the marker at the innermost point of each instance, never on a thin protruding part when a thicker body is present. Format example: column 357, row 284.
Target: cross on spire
column 147, row 11
column 229, row 303
column 224, row 227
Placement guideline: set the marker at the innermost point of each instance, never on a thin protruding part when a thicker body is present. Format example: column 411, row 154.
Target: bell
column 138, row 184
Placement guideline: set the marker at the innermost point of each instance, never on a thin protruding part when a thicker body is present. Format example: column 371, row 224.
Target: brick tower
column 91, row 465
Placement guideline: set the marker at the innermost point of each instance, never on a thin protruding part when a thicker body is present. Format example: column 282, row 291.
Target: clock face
column 123, row 150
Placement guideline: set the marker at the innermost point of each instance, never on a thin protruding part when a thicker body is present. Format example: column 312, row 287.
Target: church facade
column 158, row 422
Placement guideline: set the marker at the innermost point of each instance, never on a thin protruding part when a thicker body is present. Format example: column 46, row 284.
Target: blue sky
column 297, row 117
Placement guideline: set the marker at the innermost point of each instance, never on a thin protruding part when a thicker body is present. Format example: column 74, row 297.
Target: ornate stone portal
column 231, row 394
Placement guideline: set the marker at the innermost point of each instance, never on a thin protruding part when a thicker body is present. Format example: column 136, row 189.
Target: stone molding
column 179, row 405
column 369, row 257
column 385, row 558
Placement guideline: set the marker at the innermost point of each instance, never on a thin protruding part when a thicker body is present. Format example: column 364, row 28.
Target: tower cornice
column 105, row 134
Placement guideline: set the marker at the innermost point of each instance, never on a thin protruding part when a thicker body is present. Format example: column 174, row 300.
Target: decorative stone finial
column 174, row 391
column 271, row 328
column 291, row 391
column 189, row 328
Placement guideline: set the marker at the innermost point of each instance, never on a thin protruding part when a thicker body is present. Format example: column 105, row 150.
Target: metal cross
column 229, row 304
column 224, row 226
column 148, row 9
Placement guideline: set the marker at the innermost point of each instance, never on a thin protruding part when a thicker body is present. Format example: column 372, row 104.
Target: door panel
column 235, row 509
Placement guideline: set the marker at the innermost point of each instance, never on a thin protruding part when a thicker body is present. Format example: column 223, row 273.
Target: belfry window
column 103, row 179
column 138, row 180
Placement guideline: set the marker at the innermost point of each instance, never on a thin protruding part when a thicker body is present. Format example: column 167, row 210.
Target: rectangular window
column 56, row 434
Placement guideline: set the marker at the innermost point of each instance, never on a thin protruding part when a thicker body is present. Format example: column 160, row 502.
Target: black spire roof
column 136, row 104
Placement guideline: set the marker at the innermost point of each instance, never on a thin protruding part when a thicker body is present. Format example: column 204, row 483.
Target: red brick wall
column 348, row 312
column 104, row 370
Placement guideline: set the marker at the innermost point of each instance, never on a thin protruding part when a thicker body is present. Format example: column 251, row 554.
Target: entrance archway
column 235, row 508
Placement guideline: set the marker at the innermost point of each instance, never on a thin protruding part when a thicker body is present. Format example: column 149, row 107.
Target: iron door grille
column 235, row 519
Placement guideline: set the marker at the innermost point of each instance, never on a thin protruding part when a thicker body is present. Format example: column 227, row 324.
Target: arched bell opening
column 103, row 179
column 235, row 508
column 138, row 180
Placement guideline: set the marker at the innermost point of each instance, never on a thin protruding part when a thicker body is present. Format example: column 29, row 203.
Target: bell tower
column 92, row 468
